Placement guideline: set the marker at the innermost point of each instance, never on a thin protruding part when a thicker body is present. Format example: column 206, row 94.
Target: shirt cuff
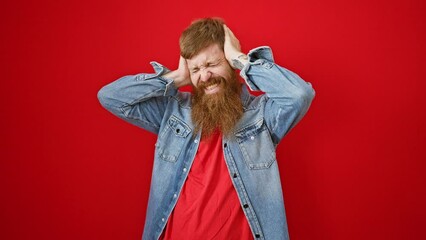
column 160, row 70
column 261, row 56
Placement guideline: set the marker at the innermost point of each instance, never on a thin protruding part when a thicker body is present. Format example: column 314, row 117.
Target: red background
column 352, row 169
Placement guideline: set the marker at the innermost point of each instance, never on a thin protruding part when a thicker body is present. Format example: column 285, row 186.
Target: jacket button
column 257, row 235
column 245, row 205
column 235, row 175
column 225, row 145
column 163, row 219
column 184, row 169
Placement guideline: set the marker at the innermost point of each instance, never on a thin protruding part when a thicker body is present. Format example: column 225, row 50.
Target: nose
column 205, row 74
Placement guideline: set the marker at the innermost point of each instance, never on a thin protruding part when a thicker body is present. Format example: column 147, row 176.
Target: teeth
column 211, row 86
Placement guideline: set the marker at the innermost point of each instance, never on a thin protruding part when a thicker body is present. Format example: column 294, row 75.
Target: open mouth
column 213, row 85
column 212, row 88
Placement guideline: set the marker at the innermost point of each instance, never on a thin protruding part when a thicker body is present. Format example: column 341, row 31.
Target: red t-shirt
column 208, row 207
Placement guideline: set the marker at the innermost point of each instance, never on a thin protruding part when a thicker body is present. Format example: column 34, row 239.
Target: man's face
column 216, row 102
column 207, row 67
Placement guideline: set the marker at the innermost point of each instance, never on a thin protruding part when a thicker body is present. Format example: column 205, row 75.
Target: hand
column 180, row 76
column 232, row 49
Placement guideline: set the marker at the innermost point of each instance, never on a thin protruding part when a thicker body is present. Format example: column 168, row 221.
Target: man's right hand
column 180, row 76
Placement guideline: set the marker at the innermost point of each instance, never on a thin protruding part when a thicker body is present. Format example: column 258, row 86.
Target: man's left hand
column 232, row 49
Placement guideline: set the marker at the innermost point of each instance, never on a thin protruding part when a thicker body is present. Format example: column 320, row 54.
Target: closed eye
column 212, row 64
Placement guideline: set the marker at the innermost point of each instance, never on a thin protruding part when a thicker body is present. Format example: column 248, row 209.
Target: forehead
column 208, row 54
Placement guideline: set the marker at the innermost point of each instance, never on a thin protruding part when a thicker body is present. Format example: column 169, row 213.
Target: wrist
column 239, row 60
column 177, row 78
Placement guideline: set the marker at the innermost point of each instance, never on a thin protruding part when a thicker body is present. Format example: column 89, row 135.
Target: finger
column 229, row 31
column 226, row 30
column 182, row 62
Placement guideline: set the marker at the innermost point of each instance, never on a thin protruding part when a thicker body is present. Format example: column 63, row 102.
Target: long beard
column 217, row 111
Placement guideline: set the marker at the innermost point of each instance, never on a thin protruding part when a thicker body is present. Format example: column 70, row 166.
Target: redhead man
column 215, row 174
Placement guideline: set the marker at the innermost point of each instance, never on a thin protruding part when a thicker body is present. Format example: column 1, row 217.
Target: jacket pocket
column 172, row 139
column 256, row 145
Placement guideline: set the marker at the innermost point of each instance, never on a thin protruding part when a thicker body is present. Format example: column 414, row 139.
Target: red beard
column 217, row 111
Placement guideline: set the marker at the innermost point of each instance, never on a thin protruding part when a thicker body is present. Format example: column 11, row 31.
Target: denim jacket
column 152, row 102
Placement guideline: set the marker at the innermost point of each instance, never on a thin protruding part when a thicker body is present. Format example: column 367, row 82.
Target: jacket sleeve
column 287, row 96
column 139, row 99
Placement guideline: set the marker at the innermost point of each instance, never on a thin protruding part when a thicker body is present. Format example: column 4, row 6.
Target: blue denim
column 152, row 102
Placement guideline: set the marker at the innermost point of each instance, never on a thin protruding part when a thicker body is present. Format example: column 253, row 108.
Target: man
column 215, row 175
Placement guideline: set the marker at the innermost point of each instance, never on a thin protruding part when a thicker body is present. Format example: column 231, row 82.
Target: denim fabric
column 152, row 102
